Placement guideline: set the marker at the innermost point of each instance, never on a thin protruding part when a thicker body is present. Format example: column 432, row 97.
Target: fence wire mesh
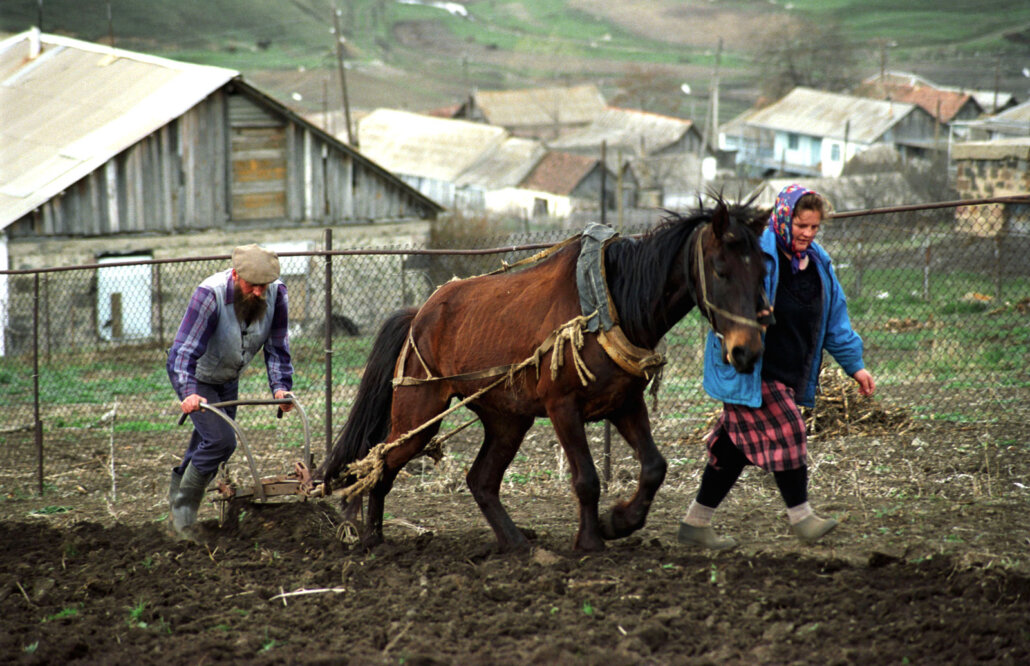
column 940, row 295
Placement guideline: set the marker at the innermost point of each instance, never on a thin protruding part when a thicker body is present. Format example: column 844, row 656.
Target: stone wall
column 991, row 169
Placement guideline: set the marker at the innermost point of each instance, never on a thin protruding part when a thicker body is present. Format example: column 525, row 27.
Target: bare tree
column 650, row 89
column 795, row 51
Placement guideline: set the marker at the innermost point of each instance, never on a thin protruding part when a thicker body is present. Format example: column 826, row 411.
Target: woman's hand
column 866, row 385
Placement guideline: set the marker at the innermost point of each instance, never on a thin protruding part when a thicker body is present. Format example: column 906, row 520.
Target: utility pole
column 110, row 24
column 338, row 36
column 711, row 119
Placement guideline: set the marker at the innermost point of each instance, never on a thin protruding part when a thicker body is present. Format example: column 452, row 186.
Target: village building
column 989, row 101
column 661, row 156
column 475, row 168
column 1012, row 123
column 112, row 155
column 539, row 113
column 815, row 133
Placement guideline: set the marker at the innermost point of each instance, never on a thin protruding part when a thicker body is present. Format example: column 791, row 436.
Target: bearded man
column 230, row 316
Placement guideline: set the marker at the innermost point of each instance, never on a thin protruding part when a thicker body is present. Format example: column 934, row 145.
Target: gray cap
column 255, row 264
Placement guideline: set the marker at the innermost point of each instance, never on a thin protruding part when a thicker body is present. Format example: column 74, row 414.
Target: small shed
column 562, row 182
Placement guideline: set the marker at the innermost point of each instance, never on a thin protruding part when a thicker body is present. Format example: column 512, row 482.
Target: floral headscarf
column 781, row 223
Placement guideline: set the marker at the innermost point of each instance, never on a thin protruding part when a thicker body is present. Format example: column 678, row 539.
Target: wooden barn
column 108, row 155
column 102, row 142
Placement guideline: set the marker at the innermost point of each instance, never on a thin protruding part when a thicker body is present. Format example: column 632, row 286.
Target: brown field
column 929, row 564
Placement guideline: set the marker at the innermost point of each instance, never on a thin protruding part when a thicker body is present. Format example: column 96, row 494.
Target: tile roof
column 559, row 173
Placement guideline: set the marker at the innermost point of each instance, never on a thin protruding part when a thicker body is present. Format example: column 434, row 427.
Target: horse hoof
column 608, row 530
column 589, row 545
column 369, row 542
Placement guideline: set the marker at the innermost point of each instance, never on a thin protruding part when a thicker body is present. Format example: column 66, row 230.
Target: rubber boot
column 704, row 536
column 813, row 528
column 173, row 488
column 187, row 498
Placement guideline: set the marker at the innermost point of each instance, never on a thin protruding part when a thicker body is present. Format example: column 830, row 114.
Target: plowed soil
column 929, row 566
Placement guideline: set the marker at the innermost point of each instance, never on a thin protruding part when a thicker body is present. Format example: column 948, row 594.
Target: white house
column 814, row 133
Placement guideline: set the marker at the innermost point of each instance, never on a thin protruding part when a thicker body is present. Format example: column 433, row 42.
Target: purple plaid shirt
column 197, row 327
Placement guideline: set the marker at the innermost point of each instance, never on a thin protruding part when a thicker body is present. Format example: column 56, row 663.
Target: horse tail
column 369, row 420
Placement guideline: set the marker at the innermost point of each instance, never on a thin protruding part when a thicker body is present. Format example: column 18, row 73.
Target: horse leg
column 504, row 434
column 412, row 407
column 568, row 425
column 634, row 425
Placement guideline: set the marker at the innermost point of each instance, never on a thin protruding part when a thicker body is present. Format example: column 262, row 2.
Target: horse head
column 728, row 275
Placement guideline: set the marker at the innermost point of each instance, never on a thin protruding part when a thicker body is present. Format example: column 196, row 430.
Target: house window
column 539, row 207
column 792, row 141
column 835, row 153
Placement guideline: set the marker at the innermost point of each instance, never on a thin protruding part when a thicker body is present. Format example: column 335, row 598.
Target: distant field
column 426, row 54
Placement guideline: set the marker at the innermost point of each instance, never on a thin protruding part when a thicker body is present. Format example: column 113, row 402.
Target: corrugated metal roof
column 537, row 107
column 831, row 115
column 639, row 132
column 1014, row 120
column 69, row 106
column 417, row 145
column 504, row 166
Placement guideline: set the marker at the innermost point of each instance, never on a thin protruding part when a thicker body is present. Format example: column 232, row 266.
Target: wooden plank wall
column 225, row 160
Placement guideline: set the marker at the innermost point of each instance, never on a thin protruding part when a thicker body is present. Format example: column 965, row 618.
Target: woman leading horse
column 517, row 345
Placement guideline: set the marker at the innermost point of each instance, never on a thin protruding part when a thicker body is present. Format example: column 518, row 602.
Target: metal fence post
column 997, row 264
column 37, row 423
column 160, row 306
column 328, row 242
column 926, row 268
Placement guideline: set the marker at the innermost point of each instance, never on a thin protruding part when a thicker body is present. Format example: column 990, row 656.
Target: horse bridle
column 710, row 308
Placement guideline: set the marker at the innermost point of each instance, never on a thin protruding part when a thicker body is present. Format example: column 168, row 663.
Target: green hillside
column 508, row 44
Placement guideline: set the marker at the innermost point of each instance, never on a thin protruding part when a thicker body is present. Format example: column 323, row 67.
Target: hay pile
column 839, row 410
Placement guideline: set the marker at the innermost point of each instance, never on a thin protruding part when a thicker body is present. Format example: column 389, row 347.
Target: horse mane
column 638, row 269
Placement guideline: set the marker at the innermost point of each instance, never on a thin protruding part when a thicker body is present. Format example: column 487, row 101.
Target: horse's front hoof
column 614, row 526
column 370, row 541
column 608, row 530
column 585, row 545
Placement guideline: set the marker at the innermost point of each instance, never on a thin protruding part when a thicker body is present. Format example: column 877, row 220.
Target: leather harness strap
column 710, row 307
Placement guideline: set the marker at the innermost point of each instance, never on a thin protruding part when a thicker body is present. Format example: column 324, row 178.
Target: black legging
column 716, row 482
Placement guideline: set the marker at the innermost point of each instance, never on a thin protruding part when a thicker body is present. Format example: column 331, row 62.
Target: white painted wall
column 4, row 294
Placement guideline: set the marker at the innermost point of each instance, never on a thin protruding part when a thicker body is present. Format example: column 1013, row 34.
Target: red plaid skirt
column 771, row 436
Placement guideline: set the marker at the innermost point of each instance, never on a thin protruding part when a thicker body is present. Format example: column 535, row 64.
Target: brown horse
column 470, row 332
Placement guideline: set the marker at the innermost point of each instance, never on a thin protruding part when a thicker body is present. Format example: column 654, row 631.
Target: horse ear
column 759, row 221
column 720, row 219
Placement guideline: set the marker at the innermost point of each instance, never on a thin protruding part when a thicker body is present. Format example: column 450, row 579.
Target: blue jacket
column 724, row 383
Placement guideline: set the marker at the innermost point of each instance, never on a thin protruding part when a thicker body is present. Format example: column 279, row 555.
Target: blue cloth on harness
column 593, row 292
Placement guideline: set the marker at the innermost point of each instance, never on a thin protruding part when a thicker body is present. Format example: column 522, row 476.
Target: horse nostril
column 743, row 359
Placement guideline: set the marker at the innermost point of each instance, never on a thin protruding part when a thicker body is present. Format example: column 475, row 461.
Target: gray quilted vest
column 231, row 348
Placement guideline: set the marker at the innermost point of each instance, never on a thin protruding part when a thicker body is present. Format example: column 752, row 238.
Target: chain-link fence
column 940, row 294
